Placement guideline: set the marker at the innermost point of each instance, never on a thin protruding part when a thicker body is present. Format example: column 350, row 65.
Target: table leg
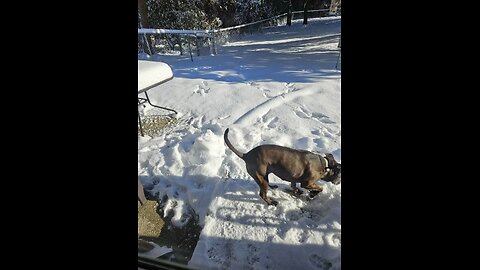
column 148, row 99
column 140, row 123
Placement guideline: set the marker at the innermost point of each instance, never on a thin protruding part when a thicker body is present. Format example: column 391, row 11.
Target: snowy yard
column 275, row 87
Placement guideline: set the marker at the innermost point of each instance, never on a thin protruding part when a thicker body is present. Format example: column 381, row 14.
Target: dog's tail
column 238, row 153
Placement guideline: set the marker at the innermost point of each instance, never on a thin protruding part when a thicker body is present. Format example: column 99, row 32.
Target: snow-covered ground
column 276, row 87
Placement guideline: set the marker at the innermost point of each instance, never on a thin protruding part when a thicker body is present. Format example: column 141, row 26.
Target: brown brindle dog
column 295, row 166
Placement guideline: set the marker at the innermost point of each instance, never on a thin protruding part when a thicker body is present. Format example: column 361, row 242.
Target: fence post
column 196, row 44
column 212, row 39
column 180, row 44
column 289, row 14
column 189, row 47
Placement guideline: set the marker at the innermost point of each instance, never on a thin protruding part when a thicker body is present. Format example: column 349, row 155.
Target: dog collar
column 326, row 162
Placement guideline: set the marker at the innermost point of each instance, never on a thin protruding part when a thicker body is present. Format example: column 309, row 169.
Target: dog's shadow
column 285, row 229
column 236, row 195
column 304, row 233
column 238, row 203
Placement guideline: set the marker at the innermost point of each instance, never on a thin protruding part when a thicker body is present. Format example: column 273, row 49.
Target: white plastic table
column 151, row 74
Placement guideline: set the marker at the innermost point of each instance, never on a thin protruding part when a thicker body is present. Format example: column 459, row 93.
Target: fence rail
column 171, row 40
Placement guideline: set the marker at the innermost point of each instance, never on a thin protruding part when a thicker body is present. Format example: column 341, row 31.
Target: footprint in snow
column 320, row 117
column 202, row 88
column 224, row 117
column 289, row 87
column 270, row 122
column 252, row 257
column 302, row 113
column 317, row 132
column 319, row 262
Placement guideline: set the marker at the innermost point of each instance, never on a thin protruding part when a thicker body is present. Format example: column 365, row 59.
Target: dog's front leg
column 312, row 187
column 296, row 190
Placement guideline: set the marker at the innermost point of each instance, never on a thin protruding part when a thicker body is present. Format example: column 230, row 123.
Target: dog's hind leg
column 268, row 181
column 263, row 184
column 263, row 190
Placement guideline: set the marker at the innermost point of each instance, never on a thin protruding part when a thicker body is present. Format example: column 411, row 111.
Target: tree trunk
column 305, row 12
column 142, row 10
column 289, row 14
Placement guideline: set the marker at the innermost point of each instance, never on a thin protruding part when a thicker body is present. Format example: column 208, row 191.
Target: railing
column 171, row 41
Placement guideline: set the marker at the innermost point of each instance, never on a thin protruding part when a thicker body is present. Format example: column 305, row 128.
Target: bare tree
column 305, row 12
column 289, row 14
column 142, row 9
column 144, row 22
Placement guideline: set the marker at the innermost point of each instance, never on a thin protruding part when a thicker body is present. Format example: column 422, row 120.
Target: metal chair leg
column 148, row 100
column 140, row 123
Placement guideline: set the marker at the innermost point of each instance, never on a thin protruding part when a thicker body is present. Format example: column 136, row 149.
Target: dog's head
column 335, row 170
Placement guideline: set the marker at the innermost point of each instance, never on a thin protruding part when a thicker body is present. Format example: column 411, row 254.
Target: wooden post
column 197, row 44
column 189, row 48
column 305, row 12
column 212, row 40
column 289, row 14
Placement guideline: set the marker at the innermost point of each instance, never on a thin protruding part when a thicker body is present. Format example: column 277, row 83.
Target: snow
column 275, row 87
